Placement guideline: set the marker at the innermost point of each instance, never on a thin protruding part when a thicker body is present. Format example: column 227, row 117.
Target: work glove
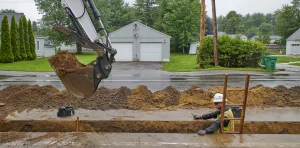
column 197, row 117
column 202, row 132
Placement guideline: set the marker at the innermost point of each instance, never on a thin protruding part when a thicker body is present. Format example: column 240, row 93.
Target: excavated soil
column 64, row 60
column 142, row 98
column 21, row 97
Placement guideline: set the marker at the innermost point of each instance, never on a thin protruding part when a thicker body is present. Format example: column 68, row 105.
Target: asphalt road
column 150, row 74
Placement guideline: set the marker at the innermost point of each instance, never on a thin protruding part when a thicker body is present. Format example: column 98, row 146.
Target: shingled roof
column 295, row 36
column 9, row 16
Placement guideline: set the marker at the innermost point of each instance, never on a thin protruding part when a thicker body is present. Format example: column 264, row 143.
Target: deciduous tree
column 182, row 23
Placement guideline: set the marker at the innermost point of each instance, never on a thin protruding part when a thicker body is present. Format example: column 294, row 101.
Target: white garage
column 124, row 51
column 151, row 52
column 293, row 44
column 138, row 42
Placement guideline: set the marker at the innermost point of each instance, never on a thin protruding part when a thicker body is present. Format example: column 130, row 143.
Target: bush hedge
column 233, row 52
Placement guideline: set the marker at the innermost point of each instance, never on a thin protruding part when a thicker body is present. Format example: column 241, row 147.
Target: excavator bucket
column 77, row 78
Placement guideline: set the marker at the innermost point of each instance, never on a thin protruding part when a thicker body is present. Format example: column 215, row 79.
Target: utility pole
column 213, row 3
column 202, row 25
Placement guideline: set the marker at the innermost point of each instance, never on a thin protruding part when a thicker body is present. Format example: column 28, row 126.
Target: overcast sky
column 223, row 6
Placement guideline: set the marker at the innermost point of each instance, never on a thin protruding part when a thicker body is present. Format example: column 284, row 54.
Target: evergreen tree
column 14, row 39
column 26, row 39
column 146, row 11
column 31, row 41
column 5, row 52
column 21, row 40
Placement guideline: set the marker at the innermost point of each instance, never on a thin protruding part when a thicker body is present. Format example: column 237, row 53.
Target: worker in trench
column 215, row 127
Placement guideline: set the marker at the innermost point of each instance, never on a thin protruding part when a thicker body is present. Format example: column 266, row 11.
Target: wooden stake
column 77, row 124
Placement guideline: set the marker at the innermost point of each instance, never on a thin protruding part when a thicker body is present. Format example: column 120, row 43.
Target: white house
column 42, row 49
column 293, row 44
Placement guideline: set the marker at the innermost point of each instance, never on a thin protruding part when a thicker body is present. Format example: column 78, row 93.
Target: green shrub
column 14, row 39
column 232, row 52
column 6, row 55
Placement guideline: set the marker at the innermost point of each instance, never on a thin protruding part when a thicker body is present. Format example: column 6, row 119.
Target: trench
column 130, row 126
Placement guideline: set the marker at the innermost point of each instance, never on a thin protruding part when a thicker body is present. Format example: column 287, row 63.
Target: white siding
column 73, row 48
column 49, row 51
column 39, row 47
column 292, row 47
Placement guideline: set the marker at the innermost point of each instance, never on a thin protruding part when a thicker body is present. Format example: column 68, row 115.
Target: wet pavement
column 252, row 114
column 158, row 80
column 150, row 74
column 146, row 140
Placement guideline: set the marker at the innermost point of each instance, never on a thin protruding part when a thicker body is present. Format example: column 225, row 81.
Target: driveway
column 287, row 67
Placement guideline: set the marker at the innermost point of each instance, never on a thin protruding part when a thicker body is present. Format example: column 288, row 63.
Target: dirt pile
column 21, row 97
column 142, row 98
column 195, row 97
column 64, row 60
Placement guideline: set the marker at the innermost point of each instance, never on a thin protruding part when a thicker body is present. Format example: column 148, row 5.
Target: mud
column 64, row 60
column 21, row 97
column 143, row 126
column 11, row 136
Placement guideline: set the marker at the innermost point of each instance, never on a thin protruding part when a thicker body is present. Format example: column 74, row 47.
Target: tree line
column 17, row 40
column 283, row 22
column 180, row 19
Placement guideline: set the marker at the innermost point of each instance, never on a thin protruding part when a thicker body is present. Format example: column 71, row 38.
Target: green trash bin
column 270, row 63
column 263, row 61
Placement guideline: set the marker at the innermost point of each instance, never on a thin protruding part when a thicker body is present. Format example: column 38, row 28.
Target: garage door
column 124, row 51
column 295, row 49
column 151, row 52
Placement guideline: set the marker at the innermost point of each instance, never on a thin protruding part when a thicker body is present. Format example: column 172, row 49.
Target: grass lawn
column 178, row 63
column 287, row 59
column 187, row 63
column 296, row 64
column 41, row 65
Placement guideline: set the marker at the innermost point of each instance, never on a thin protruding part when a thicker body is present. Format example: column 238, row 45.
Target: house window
column 295, row 44
column 37, row 45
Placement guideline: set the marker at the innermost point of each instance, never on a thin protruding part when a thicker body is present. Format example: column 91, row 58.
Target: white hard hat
column 218, row 98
